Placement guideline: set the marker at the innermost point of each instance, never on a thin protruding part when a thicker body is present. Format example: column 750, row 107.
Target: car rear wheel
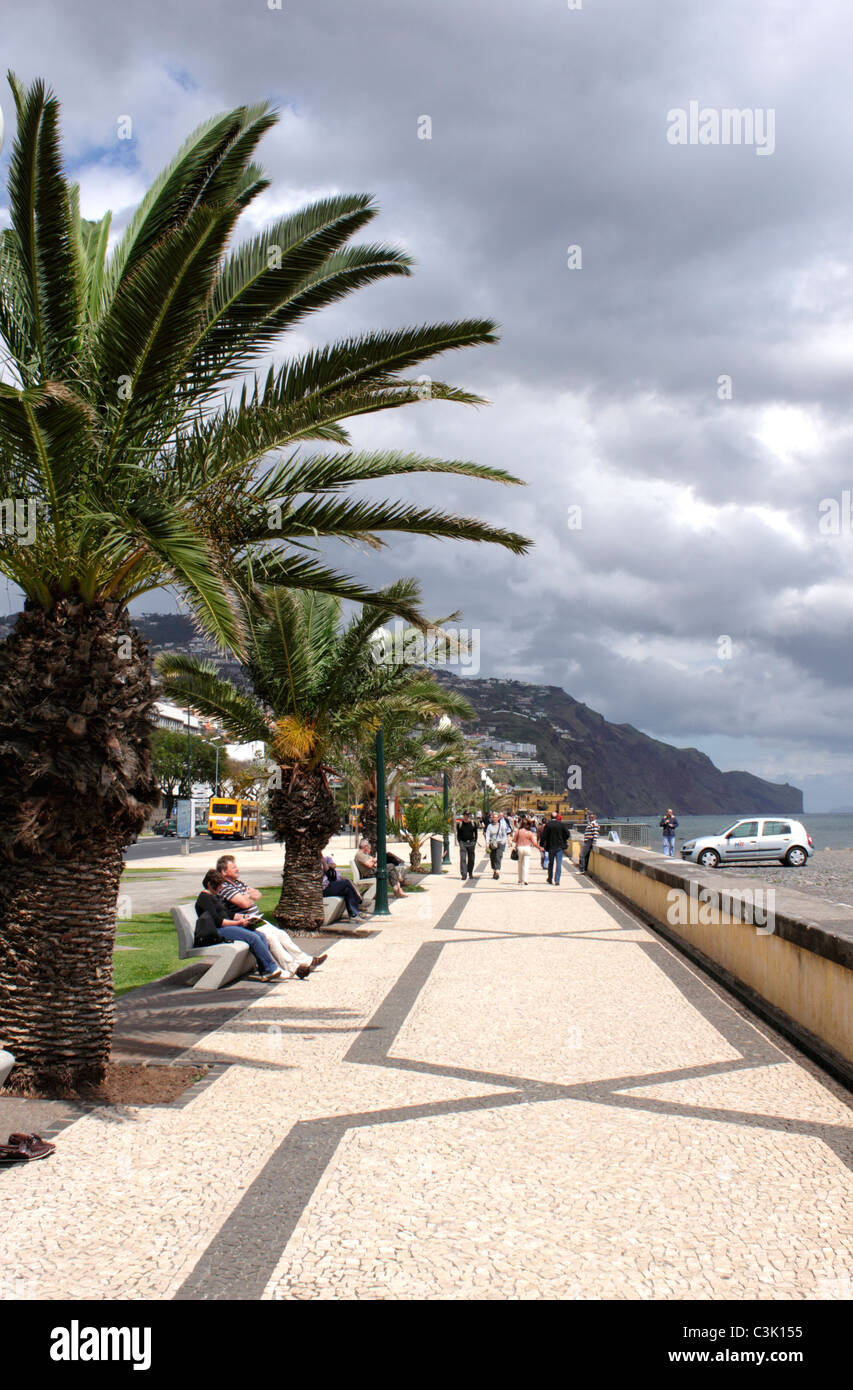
column 796, row 856
column 709, row 859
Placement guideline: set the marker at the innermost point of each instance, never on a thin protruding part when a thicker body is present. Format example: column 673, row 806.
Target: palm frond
column 41, row 220
column 196, row 685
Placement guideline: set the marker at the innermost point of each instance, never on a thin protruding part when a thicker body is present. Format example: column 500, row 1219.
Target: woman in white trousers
column 525, row 842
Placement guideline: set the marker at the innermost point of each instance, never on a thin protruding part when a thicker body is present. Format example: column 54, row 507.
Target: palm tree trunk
column 76, row 784
column 56, row 967
column 304, row 816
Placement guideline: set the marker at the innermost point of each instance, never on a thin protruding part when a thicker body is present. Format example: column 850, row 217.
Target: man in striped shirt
column 287, row 954
column 590, row 835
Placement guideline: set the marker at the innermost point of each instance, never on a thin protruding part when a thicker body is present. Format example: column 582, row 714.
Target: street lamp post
column 381, row 909
column 444, row 723
column 186, row 845
column 189, row 758
column 445, row 859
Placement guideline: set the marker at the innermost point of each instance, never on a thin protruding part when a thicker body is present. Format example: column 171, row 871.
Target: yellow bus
column 231, row 818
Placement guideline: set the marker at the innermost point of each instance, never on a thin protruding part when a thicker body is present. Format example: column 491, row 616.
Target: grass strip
column 154, row 935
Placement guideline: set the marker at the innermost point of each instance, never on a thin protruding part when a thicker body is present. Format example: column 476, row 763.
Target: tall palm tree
column 314, row 687
column 141, row 465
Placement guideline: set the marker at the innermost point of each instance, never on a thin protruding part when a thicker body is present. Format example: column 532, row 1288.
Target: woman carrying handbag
column 524, row 842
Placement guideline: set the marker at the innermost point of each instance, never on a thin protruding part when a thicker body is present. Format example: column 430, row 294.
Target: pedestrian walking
column 554, row 838
column 525, row 842
column 590, row 835
column 466, row 838
column 496, row 837
column 668, row 825
column 543, row 851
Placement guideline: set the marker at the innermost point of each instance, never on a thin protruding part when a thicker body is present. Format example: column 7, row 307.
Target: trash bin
column 436, row 854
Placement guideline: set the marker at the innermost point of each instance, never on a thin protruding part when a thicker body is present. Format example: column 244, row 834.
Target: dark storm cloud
column 700, row 513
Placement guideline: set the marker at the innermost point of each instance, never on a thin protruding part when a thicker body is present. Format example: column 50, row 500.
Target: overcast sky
column 700, row 262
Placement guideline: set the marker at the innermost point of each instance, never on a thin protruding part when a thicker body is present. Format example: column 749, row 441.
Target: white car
column 752, row 840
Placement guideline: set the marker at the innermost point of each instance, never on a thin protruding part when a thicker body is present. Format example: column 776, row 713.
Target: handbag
column 514, row 854
column 206, row 933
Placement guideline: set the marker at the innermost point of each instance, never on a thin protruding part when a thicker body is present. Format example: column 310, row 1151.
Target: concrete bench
column 333, row 908
column 228, row 959
column 365, row 886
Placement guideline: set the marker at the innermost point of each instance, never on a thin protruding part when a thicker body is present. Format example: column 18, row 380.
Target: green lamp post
column 379, row 643
column 445, row 723
column 381, row 909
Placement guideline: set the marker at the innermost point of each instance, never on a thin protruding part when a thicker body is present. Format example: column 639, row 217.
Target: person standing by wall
column 590, row 835
column 668, row 825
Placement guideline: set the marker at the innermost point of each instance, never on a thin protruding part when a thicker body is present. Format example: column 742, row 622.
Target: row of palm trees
column 315, row 692
column 144, row 418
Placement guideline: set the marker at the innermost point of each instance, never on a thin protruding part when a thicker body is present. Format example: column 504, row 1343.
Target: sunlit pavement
column 502, row 1092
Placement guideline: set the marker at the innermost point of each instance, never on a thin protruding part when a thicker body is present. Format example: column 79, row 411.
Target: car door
column 774, row 839
column 741, row 843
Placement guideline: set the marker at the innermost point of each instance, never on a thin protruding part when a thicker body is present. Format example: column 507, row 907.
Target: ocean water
column 829, row 831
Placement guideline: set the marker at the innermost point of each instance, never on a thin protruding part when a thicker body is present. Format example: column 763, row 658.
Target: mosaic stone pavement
column 504, row 1092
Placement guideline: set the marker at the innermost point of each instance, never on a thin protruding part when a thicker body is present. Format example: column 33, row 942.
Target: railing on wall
column 629, row 832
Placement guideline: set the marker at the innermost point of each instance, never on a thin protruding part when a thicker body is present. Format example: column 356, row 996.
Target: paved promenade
column 503, row 1092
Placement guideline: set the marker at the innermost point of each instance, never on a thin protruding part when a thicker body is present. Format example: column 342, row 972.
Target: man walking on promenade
column 466, row 835
column 590, row 835
column 668, row 825
column 554, row 840
column 496, row 833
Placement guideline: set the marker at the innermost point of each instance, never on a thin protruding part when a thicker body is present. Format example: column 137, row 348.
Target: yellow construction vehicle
column 530, row 801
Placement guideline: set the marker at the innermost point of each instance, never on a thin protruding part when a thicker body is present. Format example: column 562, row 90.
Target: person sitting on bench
column 336, row 886
column 215, row 923
column 365, row 862
column 287, row 954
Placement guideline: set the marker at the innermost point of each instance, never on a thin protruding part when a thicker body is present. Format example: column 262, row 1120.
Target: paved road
column 158, row 847
column 505, row 1092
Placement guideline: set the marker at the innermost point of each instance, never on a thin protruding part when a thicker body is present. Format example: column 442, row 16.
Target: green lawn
column 148, row 873
column 154, row 933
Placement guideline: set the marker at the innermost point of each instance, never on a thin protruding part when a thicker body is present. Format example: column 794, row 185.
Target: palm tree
column 140, row 436
column 314, row 686
column 420, row 820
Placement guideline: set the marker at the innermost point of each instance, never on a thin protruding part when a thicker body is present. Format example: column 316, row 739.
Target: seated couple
column 365, row 863
column 226, row 911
